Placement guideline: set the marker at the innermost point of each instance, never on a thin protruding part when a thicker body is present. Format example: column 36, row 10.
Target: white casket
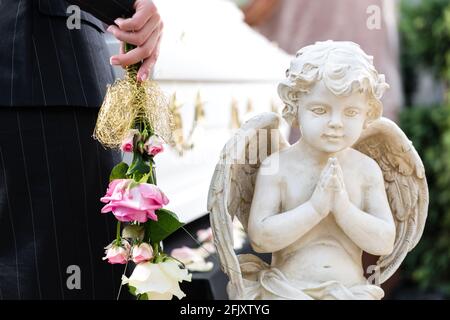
column 221, row 72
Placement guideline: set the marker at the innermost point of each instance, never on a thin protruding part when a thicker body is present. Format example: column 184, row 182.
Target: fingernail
column 110, row 29
column 113, row 61
column 118, row 21
column 143, row 76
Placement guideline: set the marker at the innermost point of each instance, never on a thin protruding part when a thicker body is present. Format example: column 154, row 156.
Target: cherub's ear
column 287, row 94
column 290, row 97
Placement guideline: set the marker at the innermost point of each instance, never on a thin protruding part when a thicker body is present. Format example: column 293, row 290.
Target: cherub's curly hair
column 342, row 65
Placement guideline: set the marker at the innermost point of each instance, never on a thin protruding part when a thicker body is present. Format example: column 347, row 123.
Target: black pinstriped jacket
column 43, row 63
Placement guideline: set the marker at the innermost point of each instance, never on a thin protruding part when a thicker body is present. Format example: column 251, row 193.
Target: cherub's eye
column 319, row 110
column 351, row 112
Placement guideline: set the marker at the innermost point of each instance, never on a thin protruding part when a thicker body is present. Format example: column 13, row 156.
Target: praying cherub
column 352, row 183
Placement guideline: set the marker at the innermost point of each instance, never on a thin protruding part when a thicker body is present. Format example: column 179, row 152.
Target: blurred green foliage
column 425, row 40
column 428, row 264
column 425, row 37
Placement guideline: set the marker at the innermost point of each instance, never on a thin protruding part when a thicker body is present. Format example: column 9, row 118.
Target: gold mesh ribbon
column 128, row 101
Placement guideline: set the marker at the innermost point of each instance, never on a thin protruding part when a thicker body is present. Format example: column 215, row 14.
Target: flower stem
column 124, row 273
column 151, row 178
column 118, row 237
column 156, row 251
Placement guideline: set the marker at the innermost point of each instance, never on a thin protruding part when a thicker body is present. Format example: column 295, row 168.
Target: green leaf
column 167, row 224
column 119, row 171
column 138, row 165
column 143, row 296
column 145, row 135
column 144, row 178
column 132, row 290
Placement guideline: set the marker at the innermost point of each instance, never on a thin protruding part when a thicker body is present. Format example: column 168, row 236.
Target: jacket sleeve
column 106, row 10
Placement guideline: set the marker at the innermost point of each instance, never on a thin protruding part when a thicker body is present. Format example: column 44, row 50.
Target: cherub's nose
column 335, row 122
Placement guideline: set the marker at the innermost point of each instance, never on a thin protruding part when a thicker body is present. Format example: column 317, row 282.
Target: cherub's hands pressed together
column 144, row 30
column 341, row 199
column 322, row 197
column 330, row 194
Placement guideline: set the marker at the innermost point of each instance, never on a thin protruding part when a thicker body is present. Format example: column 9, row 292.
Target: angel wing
column 233, row 183
column 406, row 187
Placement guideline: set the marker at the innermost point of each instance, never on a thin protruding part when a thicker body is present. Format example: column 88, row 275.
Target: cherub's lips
column 333, row 136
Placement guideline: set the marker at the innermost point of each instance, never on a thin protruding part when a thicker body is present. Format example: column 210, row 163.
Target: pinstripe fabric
column 11, row 269
column 30, row 208
column 52, row 174
column 36, row 44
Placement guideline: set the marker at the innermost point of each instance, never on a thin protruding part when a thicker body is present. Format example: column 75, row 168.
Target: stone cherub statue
column 352, row 183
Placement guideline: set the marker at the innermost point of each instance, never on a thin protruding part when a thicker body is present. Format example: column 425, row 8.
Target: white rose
column 160, row 281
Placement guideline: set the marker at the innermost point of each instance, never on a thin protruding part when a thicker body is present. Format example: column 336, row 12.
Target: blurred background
column 221, row 61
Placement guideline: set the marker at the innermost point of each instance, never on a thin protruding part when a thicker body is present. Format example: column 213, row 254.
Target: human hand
column 322, row 197
column 143, row 30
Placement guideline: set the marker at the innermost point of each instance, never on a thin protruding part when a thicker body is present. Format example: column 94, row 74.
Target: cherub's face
column 331, row 123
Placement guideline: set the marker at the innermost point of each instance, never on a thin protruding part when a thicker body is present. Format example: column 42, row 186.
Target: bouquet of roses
column 134, row 117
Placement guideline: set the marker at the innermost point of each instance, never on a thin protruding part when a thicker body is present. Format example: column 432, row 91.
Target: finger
column 148, row 64
column 158, row 47
column 333, row 174
column 326, row 169
column 330, row 161
column 325, row 181
column 144, row 70
column 151, row 45
column 129, row 58
column 144, row 11
column 336, row 169
column 339, row 170
column 136, row 38
column 325, row 172
column 341, row 177
column 137, row 54
column 335, row 183
column 332, row 183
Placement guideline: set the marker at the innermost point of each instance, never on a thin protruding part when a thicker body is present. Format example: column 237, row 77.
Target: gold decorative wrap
column 128, row 101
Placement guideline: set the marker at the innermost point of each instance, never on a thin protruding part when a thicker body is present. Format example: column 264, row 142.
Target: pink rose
column 127, row 143
column 205, row 235
column 185, row 254
column 209, row 247
column 154, row 145
column 136, row 203
column 117, row 254
column 142, row 253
